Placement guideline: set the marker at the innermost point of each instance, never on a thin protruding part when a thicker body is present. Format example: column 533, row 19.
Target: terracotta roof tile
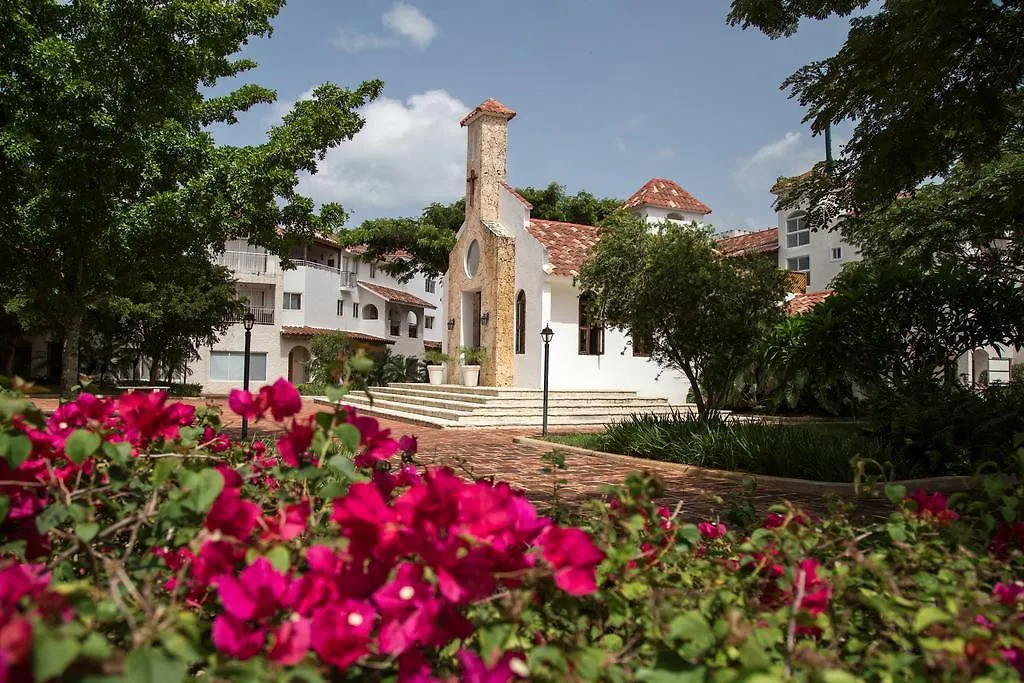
column 802, row 303
column 567, row 244
column 515, row 194
column 305, row 331
column 396, row 295
column 762, row 241
column 668, row 195
column 490, row 106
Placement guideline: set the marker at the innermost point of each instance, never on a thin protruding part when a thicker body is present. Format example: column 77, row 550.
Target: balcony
column 248, row 262
column 263, row 316
column 348, row 280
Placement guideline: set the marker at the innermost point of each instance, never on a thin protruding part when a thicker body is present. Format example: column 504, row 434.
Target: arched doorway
column 297, row 359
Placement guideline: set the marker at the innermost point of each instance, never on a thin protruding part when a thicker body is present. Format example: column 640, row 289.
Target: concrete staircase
column 454, row 405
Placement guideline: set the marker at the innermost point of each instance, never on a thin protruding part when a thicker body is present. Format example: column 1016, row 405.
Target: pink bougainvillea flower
column 146, row 417
column 245, row 404
column 1006, row 539
column 237, row 638
column 508, row 667
column 295, row 442
column 366, row 520
column 712, row 530
column 376, row 443
column 257, row 593
column 342, row 632
column 409, row 610
column 232, row 515
column 1009, row 593
column 291, row 641
column 1015, row 658
column 288, row 523
column 282, row 398
column 573, row 556
column 932, row 507
column 408, row 444
column 817, row 592
column 214, row 442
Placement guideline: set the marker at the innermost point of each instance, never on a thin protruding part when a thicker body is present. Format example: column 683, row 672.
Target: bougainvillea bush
column 139, row 543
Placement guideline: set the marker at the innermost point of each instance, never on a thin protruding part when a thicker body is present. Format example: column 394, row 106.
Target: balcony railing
column 263, row 316
column 348, row 279
column 314, row 264
column 248, row 262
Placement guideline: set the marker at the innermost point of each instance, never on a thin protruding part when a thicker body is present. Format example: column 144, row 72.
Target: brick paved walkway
column 491, row 453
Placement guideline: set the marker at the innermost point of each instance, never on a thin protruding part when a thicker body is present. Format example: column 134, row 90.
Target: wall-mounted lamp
column 485, row 318
column 451, row 324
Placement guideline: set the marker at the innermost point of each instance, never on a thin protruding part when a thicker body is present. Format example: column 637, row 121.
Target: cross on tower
column 471, row 179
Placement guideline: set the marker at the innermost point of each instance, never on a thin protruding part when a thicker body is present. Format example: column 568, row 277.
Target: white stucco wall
column 823, row 267
column 617, row 368
column 657, row 214
column 526, row 367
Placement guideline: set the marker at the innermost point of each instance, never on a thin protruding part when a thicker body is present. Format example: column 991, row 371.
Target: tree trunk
column 698, row 397
column 69, row 354
column 154, row 369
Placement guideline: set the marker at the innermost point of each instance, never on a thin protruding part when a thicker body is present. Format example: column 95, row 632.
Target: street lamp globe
column 248, row 320
column 546, row 334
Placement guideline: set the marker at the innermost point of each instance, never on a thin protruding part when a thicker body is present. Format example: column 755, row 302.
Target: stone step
column 378, row 411
column 456, row 402
column 512, row 392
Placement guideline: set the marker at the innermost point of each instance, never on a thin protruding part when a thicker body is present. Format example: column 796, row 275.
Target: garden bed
column 821, row 452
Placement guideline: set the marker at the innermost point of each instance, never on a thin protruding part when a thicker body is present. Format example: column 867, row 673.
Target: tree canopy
column 929, row 86
column 427, row 240
column 698, row 312
column 106, row 161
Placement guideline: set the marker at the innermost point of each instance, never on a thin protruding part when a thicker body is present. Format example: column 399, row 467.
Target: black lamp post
column 546, row 334
column 248, row 321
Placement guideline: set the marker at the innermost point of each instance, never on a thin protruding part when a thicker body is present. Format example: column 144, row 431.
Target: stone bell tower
column 480, row 283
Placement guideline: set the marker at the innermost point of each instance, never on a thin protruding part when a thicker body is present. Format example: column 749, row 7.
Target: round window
column 473, row 258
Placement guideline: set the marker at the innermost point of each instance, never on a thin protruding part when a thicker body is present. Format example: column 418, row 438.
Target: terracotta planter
column 435, row 374
column 470, row 375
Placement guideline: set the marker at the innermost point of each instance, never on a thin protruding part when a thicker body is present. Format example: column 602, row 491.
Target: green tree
column 700, row 313
column 327, row 355
column 106, row 160
column 553, row 204
column 929, row 86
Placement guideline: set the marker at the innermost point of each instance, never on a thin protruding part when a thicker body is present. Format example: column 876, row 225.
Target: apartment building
column 331, row 288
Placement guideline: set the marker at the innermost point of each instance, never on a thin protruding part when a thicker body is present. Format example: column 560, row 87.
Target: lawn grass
column 815, row 451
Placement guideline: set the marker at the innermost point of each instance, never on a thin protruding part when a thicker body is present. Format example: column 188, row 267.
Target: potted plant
column 435, row 361
column 472, row 358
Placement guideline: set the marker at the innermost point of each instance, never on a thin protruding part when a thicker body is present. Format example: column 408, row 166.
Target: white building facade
column 511, row 275
column 331, row 288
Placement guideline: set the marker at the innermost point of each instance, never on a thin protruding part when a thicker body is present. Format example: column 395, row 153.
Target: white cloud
column 790, row 155
column 408, row 155
column 408, row 21
column 403, row 21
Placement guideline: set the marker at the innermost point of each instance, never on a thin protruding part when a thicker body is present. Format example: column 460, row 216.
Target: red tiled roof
column 491, row 106
column 567, row 244
column 515, row 194
column 396, row 295
column 762, row 241
column 803, row 303
column 668, row 195
column 304, row 331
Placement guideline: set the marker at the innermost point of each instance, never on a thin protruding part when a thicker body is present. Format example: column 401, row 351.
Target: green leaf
column 51, row 653
column 635, row 590
column 19, row 447
column 896, row 493
column 119, row 453
column 588, row 663
column 87, row 530
column 95, row 646
column 279, row 558
column 837, row 676
column 695, row 632
column 81, row 444
column 349, row 437
column 671, row 668
column 335, row 393
column 162, row 471
column 342, row 465
column 203, row 488
column 493, row 638
column 897, row 531
column 5, row 506
column 179, row 646
column 302, row 673
column 928, row 616
column 153, row 666
column 690, row 532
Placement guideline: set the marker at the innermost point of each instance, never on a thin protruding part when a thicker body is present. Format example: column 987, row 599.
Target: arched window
column 797, row 232
column 370, row 312
column 414, row 325
column 591, row 334
column 675, row 217
column 521, row 322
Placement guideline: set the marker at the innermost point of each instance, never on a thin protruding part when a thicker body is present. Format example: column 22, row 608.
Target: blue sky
column 609, row 94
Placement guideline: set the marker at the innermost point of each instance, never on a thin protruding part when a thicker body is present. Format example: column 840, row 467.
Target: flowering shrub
column 140, row 543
